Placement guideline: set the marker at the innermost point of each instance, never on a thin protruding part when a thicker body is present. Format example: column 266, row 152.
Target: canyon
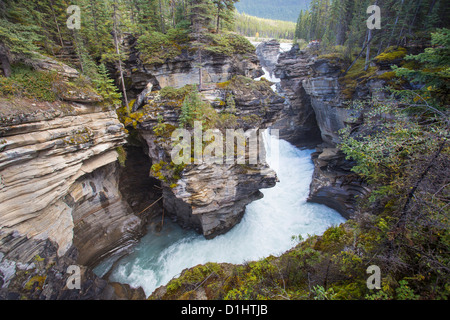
column 66, row 200
column 60, row 200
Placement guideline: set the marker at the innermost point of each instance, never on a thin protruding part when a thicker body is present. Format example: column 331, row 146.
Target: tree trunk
column 94, row 16
column 163, row 28
column 359, row 55
column 369, row 38
column 116, row 44
column 172, row 3
column 6, row 65
column 218, row 20
column 415, row 16
column 57, row 25
column 431, row 7
column 395, row 24
column 200, row 72
column 76, row 44
column 402, row 221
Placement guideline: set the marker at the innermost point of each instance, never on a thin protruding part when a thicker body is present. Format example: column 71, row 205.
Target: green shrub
column 391, row 55
column 105, row 86
column 28, row 83
column 195, row 109
column 157, row 47
column 122, row 156
column 229, row 44
column 171, row 93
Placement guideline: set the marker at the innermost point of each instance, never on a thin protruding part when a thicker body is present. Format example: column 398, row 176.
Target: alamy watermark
column 74, row 280
column 74, row 20
column 374, row 281
column 374, row 21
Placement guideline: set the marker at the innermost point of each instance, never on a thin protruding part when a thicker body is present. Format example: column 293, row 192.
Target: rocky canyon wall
column 209, row 197
column 314, row 117
column 298, row 123
column 60, row 202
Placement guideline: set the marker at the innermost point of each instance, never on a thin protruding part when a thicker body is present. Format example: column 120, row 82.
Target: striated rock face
column 268, row 53
column 315, row 116
column 298, row 123
column 31, row 269
column 210, row 198
column 60, row 202
column 184, row 69
column 323, row 87
column 333, row 184
column 103, row 221
column 48, row 169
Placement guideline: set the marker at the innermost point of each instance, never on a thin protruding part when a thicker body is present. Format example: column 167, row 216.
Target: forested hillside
column 251, row 26
column 344, row 22
column 161, row 27
column 378, row 98
column 286, row 10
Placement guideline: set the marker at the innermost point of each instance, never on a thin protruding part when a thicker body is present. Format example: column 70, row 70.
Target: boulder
column 297, row 123
column 268, row 53
column 210, row 198
column 48, row 64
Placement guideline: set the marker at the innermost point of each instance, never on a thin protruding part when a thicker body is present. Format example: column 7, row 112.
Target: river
column 267, row 228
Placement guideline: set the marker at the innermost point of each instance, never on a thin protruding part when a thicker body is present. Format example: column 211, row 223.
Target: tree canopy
column 343, row 22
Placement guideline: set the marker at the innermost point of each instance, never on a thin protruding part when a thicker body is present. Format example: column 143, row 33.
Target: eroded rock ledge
column 298, row 123
column 317, row 113
column 209, row 198
column 183, row 69
column 268, row 53
column 60, row 202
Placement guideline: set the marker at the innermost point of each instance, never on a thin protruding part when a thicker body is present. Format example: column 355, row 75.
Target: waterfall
column 266, row 229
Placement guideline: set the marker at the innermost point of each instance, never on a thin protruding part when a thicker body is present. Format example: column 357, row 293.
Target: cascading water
column 266, row 229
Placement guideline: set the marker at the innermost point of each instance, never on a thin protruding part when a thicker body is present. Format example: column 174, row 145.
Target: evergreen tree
column 17, row 37
column 105, row 86
column 224, row 11
column 434, row 76
column 343, row 22
column 96, row 26
column 201, row 15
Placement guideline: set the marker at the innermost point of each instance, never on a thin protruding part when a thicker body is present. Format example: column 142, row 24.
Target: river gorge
column 95, row 217
column 266, row 229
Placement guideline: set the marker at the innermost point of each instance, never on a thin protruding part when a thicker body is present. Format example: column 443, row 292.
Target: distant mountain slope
column 287, row 10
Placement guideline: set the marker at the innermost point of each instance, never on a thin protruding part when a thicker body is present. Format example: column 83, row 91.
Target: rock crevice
column 316, row 114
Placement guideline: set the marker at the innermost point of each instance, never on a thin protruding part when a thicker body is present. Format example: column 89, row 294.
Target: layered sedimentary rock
column 210, row 198
column 268, row 53
column 184, row 69
column 333, row 183
column 298, row 123
column 322, row 87
column 48, row 168
column 60, row 203
column 318, row 113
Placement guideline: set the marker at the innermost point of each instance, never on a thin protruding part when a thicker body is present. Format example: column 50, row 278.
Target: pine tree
column 147, row 15
column 105, row 86
column 434, row 76
column 201, row 15
column 97, row 26
column 17, row 37
column 224, row 11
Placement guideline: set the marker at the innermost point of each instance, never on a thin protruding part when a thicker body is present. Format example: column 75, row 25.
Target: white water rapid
column 266, row 229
